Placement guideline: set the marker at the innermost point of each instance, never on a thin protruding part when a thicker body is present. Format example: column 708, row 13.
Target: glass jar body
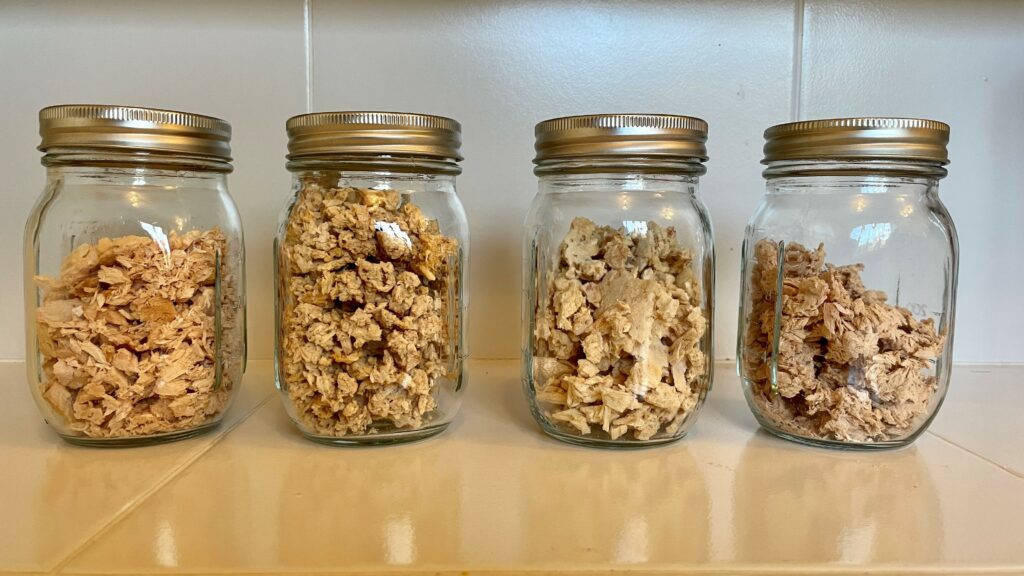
column 847, row 303
column 617, row 304
column 371, row 307
column 135, row 298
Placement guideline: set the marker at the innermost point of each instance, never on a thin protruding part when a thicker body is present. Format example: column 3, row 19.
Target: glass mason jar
column 849, row 283
column 619, row 271
column 371, row 257
column 134, row 276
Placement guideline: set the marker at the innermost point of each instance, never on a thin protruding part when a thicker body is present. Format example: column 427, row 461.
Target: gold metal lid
column 658, row 135
column 858, row 139
column 131, row 128
column 373, row 133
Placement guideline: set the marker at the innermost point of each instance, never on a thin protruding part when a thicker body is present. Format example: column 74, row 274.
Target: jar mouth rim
column 401, row 163
column 614, row 164
column 888, row 167
column 133, row 158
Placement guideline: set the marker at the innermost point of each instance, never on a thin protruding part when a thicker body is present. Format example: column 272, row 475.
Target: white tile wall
column 963, row 63
column 499, row 67
column 235, row 59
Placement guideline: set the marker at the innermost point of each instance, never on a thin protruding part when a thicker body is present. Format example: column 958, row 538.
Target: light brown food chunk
column 618, row 347
column 368, row 283
column 127, row 335
column 850, row 367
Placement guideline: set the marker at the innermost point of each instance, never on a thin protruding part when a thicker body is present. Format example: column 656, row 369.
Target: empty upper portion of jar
column 857, row 145
column 396, row 139
column 133, row 134
column 621, row 142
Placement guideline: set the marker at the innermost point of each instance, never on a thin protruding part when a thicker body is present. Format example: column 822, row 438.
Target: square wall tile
column 500, row 67
column 961, row 63
column 241, row 61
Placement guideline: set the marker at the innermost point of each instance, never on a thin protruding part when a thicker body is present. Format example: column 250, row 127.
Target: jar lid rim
column 659, row 135
column 134, row 129
column 854, row 138
column 368, row 132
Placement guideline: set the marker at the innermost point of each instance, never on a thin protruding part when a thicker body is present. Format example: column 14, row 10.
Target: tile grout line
column 174, row 473
column 307, row 38
column 985, row 459
column 795, row 96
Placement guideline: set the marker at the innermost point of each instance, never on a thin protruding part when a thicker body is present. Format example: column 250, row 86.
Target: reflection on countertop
column 849, row 508
column 493, row 493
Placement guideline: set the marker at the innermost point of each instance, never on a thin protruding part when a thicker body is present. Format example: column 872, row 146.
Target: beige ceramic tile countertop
column 493, row 494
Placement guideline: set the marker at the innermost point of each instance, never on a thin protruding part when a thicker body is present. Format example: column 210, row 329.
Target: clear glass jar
column 371, row 257
column 849, row 283
column 618, row 280
column 134, row 276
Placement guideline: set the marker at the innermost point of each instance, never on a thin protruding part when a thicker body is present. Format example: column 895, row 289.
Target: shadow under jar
column 849, row 283
column 134, row 276
column 618, row 280
column 371, row 258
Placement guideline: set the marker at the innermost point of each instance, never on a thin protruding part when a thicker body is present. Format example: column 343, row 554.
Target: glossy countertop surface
column 493, row 494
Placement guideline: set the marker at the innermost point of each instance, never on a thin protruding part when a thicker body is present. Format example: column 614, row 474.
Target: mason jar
column 849, row 283
column 618, row 279
column 371, row 257
column 134, row 276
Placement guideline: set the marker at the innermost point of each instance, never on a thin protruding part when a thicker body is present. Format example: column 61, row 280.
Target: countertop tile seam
column 176, row 471
column 989, row 461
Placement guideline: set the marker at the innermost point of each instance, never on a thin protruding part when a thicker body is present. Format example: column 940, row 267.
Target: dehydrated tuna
column 851, row 367
column 127, row 335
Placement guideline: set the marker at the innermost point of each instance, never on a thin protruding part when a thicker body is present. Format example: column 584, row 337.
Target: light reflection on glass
column 635, row 227
column 157, row 234
column 871, row 235
column 668, row 213
column 625, row 201
column 860, row 204
column 907, row 210
column 134, row 199
column 394, row 231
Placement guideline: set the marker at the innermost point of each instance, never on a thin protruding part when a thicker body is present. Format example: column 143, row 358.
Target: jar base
column 131, row 442
column 396, row 437
column 609, row 444
column 839, row 445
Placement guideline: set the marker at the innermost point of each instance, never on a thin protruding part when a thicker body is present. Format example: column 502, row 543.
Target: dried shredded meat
column 127, row 335
column 850, row 367
column 619, row 330
column 369, row 322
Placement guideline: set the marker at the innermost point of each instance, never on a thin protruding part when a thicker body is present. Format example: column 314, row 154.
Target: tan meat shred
column 618, row 343
column 851, row 367
column 127, row 335
column 368, row 283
